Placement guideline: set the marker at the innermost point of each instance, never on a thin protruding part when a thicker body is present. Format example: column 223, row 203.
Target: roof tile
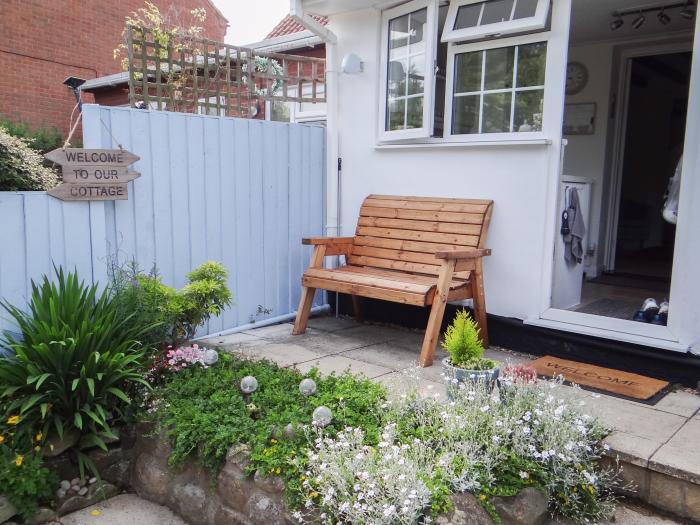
column 288, row 26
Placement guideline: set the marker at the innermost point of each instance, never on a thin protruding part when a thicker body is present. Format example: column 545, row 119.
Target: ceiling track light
column 639, row 21
column 687, row 12
column 663, row 17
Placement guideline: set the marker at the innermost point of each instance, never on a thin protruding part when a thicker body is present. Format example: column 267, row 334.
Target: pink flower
column 170, row 353
column 179, row 351
column 195, row 346
column 171, row 362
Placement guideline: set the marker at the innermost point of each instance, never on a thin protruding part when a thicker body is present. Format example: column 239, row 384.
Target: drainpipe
column 296, row 11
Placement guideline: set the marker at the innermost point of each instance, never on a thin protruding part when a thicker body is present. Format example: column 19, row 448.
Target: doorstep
column 657, row 446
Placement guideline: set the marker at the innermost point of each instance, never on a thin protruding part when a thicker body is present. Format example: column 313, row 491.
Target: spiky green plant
column 73, row 368
column 464, row 345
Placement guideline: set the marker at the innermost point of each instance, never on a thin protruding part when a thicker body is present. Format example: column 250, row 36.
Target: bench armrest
column 327, row 240
column 470, row 253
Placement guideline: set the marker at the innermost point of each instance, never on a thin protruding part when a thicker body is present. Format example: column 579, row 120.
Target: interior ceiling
column 590, row 20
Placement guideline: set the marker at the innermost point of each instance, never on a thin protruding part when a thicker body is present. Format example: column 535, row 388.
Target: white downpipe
column 265, row 322
column 296, row 11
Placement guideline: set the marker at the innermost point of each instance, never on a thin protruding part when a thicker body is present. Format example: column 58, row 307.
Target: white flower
column 524, row 475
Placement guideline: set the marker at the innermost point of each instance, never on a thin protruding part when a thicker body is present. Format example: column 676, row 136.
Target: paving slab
column 233, row 341
column 125, row 509
column 339, row 364
column 276, row 332
column 331, row 323
column 636, row 419
column 389, row 355
column 632, row 449
column 284, row 354
column 680, row 456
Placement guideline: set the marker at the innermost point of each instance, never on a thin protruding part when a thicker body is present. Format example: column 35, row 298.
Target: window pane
column 532, row 60
column 465, row 115
column 468, row 72
column 416, row 74
column 468, row 16
column 525, row 9
column 398, row 32
column 496, row 117
column 396, row 76
column 528, row 110
column 415, row 113
column 396, row 110
column 499, row 68
column 280, row 111
column 496, row 11
column 417, row 25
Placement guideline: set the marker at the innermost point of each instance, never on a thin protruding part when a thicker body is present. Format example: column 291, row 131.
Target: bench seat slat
column 453, row 239
column 423, row 215
column 427, row 205
column 402, row 276
column 427, row 226
column 366, row 290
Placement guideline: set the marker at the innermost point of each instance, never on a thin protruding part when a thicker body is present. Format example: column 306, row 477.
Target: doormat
column 617, row 308
column 607, row 380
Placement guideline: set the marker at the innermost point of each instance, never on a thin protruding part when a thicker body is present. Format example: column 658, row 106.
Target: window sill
column 462, row 144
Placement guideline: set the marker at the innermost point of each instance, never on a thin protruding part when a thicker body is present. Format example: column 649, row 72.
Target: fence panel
column 238, row 191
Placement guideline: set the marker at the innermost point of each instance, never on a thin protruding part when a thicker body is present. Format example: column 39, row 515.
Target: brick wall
column 44, row 41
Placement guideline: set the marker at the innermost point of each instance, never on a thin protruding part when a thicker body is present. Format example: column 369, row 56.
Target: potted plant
column 513, row 375
column 466, row 362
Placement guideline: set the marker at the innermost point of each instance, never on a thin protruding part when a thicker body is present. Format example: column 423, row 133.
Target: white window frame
column 507, row 27
column 318, row 113
column 454, row 50
column 430, row 36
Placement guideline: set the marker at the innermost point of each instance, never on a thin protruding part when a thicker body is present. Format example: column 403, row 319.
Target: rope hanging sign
column 93, row 174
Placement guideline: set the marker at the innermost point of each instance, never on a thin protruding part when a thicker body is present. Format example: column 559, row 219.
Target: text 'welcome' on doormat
column 617, row 382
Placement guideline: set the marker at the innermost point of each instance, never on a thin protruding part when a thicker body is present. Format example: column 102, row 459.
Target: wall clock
column 576, row 77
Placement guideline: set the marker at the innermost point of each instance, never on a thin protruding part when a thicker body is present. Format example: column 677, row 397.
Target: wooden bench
column 423, row 251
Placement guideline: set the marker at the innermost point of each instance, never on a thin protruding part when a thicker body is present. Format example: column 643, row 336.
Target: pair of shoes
column 652, row 312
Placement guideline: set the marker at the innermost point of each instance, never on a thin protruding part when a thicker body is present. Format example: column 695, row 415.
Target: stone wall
column 238, row 498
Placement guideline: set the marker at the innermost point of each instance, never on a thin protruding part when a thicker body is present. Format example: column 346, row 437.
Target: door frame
column 619, row 97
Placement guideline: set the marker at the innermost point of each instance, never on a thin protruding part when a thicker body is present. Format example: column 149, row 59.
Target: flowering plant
column 519, row 373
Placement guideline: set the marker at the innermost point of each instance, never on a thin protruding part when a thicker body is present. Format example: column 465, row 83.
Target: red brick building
column 44, row 41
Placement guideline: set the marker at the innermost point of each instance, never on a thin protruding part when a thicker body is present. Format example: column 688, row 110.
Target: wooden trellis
column 195, row 75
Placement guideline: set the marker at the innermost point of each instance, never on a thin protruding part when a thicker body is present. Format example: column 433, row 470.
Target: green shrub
column 206, row 413
column 43, row 140
column 74, row 368
column 21, row 167
column 171, row 315
column 464, row 345
column 25, row 481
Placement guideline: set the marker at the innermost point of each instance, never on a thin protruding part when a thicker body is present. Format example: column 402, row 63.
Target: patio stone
column 338, row 364
column 636, row 419
column 388, row 355
column 680, row 456
column 680, row 403
column 277, row 332
column 233, row 341
column 630, row 448
column 330, row 323
column 284, row 354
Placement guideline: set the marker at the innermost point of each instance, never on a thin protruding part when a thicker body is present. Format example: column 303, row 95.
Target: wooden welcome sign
column 93, row 174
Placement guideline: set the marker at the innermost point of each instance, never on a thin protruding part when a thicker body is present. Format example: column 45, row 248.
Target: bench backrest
column 403, row 233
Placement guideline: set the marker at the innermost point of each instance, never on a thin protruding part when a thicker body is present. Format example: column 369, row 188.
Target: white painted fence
column 242, row 192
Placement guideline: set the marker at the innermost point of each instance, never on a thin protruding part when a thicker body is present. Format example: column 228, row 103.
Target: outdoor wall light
column 352, row 64
column 663, row 17
column 688, row 12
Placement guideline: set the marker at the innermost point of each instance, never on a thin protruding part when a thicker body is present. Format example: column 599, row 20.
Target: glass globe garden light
column 322, row 416
column 307, row 387
column 249, row 385
column 210, row 357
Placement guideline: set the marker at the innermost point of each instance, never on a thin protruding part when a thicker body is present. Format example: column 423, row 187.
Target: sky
column 251, row 21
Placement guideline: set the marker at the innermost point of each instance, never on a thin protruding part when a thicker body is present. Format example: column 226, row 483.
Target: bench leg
column 357, row 308
column 479, row 299
column 432, row 331
column 307, row 299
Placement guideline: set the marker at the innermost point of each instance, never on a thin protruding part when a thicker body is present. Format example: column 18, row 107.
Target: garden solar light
column 322, row 416
column 639, row 21
column 249, row 385
column 307, row 387
column 211, row 357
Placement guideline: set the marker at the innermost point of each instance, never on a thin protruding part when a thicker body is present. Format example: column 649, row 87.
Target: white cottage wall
column 519, row 178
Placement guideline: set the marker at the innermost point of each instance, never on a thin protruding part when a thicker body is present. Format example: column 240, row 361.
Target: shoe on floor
column 649, row 310
column 661, row 317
